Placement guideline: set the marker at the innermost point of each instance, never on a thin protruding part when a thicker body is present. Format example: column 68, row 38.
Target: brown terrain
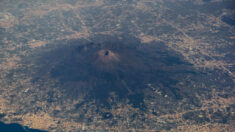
column 170, row 65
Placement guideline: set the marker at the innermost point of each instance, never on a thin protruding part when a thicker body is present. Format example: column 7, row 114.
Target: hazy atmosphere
column 117, row 65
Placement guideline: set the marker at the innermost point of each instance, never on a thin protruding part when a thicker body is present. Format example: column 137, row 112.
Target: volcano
column 102, row 69
column 106, row 59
